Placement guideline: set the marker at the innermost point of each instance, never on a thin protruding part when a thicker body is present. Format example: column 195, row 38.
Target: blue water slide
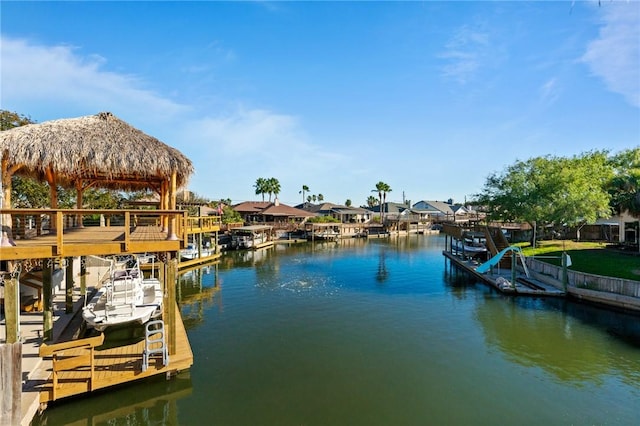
column 495, row 259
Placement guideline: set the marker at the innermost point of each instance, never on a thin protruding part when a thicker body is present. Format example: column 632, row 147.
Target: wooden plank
column 119, row 365
column 48, row 350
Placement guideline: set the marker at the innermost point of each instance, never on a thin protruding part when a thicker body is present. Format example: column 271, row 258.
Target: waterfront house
column 441, row 211
column 344, row 214
column 274, row 213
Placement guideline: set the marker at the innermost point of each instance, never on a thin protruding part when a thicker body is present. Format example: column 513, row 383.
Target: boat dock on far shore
column 501, row 279
column 497, row 264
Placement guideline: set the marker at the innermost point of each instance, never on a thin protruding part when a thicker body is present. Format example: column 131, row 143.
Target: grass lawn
column 592, row 258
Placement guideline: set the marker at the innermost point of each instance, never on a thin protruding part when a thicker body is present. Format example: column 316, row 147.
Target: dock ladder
column 154, row 343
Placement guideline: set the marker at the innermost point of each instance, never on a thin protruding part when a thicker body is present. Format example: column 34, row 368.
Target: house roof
column 390, row 207
column 350, row 210
column 270, row 209
column 440, row 206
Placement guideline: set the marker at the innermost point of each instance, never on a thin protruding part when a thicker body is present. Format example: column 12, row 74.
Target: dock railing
column 70, row 356
column 40, row 233
column 197, row 224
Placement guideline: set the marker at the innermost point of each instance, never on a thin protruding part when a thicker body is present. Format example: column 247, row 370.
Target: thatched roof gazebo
column 92, row 151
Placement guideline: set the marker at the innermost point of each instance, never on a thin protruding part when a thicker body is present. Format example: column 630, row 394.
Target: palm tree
column 320, row 198
column 382, row 189
column 371, row 201
column 273, row 187
column 385, row 190
column 314, row 198
column 305, row 189
column 261, row 187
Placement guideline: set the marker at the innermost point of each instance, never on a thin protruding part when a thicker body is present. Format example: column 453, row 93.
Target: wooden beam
column 79, row 201
column 47, row 299
column 172, row 206
column 11, row 383
column 68, row 286
column 12, row 307
column 170, row 301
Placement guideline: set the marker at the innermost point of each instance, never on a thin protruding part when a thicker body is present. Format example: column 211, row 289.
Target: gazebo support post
column 79, row 203
column 164, row 205
column 47, row 298
column 172, row 205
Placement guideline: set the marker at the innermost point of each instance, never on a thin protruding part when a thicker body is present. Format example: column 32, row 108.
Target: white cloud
column 549, row 91
column 249, row 143
column 58, row 78
column 614, row 55
column 228, row 151
column 465, row 54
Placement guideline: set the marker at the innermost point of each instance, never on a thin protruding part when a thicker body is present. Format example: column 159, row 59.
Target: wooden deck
column 91, row 241
column 122, row 232
column 118, row 365
column 523, row 287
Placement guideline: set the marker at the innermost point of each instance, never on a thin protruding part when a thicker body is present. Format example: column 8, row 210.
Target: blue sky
column 429, row 97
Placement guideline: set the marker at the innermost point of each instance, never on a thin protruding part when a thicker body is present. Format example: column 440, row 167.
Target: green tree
column 261, row 187
column 624, row 187
column 382, row 189
column 229, row 215
column 9, row 120
column 371, row 201
column 29, row 193
column 273, row 187
column 303, row 191
column 320, row 198
column 550, row 191
column 347, row 203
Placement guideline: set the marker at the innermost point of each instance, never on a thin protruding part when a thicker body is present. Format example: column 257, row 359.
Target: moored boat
column 127, row 297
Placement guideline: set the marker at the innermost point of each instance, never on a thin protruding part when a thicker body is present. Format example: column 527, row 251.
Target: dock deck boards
column 92, row 240
column 543, row 289
column 118, row 365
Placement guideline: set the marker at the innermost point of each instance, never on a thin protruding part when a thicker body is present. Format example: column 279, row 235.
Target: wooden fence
column 583, row 280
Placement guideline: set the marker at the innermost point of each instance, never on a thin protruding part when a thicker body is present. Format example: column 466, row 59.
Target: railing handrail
column 88, row 211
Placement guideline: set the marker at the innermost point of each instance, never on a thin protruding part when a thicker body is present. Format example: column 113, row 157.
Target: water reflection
column 570, row 346
column 383, row 273
column 310, row 336
column 153, row 402
column 196, row 290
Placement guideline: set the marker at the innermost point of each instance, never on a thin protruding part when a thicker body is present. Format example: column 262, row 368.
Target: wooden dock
column 524, row 286
column 114, row 366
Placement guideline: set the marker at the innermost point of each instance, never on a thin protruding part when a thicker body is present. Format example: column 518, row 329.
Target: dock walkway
column 113, row 366
column 524, row 286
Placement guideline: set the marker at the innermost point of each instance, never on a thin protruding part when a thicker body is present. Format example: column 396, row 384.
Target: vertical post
column 127, row 230
column 68, row 286
column 11, row 381
column 47, row 299
column 513, row 269
column 565, row 273
column 170, row 309
column 38, row 225
column 59, row 230
column 172, row 205
column 83, row 276
column 79, row 202
column 12, row 308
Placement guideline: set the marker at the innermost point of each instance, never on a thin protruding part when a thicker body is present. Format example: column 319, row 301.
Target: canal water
column 378, row 332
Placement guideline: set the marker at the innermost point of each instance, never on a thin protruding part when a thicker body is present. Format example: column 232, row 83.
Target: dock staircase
column 496, row 242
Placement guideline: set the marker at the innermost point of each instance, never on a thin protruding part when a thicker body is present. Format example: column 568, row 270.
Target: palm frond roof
column 98, row 148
